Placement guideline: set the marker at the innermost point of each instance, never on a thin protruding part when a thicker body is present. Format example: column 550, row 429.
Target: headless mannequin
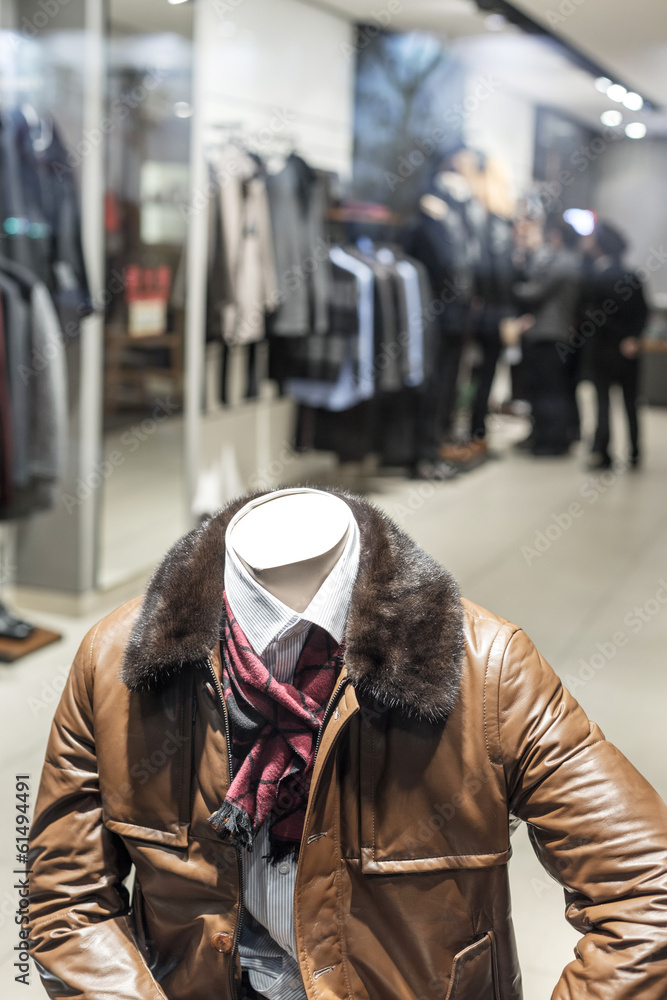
column 291, row 541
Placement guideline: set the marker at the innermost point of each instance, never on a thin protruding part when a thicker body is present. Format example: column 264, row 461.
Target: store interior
column 192, row 410
column 240, row 189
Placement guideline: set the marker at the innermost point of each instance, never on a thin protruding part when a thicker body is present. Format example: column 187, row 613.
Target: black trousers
column 626, row 374
column 482, row 377
column 437, row 401
column 549, row 391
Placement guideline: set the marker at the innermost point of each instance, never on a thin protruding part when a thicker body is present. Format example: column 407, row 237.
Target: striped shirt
column 267, row 945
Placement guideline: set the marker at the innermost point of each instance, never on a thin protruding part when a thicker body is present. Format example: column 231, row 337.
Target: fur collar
column 404, row 639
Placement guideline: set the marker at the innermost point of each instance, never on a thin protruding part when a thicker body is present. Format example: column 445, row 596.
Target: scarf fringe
column 230, row 821
column 280, row 850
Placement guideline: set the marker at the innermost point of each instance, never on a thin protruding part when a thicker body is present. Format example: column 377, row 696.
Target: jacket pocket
column 424, row 806
column 473, row 972
column 146, row 780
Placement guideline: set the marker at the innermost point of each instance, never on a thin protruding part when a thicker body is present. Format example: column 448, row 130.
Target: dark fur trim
column 404, row 638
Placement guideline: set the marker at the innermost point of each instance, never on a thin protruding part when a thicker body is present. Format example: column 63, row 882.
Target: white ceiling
column 629, row 39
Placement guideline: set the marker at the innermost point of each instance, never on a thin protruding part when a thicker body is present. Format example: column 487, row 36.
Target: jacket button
column 222, row 943
column 210, row 691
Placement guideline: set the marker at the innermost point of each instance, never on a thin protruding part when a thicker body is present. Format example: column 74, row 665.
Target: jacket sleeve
column 80, row 936
column 597, row 826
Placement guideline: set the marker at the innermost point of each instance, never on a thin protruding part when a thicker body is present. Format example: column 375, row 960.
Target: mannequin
column 290, row 541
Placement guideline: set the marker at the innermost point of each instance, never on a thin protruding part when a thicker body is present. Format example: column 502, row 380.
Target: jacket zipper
column 325, row 717
column 237, row 929
column 228, row 736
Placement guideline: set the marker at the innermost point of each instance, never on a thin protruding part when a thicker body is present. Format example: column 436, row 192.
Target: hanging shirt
column 410, row 278
column 355, row 383
column 267, row 944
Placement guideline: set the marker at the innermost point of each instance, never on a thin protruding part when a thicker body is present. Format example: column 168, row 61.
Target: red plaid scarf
column 274, row 731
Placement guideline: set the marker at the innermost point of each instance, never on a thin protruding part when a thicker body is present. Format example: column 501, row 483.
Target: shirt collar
column 263, row 618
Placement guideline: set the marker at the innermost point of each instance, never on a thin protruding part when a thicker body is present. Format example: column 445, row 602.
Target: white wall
column 278, row 68
column 630, row 194
column 266, row 56
column 498, row 123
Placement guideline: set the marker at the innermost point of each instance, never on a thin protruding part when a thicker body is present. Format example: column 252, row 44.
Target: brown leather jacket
column 444, row 721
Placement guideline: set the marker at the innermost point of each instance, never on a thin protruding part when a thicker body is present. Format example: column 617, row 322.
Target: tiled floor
column 503, row 532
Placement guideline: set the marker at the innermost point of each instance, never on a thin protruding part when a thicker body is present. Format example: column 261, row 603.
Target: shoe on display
column 12, row 627
column 464, row 451
column 434, row 471
column 599, row 463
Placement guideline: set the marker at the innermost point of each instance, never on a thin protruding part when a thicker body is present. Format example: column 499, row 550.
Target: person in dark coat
column 549, row 296
column 615, row 302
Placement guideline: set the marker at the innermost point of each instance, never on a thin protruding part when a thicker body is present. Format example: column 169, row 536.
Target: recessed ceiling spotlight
column 635, row 130
column 633, row 101
column 495, row 22
column 616, row 92
column 611, row 118
column 603, row 83
column 182, row 109
column 174, row 2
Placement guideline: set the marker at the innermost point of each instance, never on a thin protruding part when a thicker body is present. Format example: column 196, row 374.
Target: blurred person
column 491, row 224
column 550, row 294
column 440, row 238
column 614, row 301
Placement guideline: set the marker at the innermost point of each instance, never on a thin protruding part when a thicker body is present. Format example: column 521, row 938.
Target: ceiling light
column 174, row 2
column 616, row 92
column 603, row 83
column 633, row 101
column 495, row 22
column 611, row 118
column 182, row 109
column 635, row 130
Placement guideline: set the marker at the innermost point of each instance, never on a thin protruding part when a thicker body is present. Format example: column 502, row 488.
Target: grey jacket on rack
column 249, row 280
column 41, row 373
column 297, row 199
